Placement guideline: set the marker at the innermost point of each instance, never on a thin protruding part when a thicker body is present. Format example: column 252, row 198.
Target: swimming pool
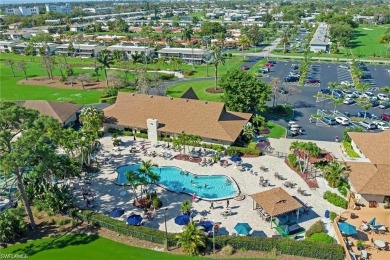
column 207, row 187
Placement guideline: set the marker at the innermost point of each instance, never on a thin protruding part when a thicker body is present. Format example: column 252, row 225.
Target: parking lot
column 305, row 104
column 380, row 77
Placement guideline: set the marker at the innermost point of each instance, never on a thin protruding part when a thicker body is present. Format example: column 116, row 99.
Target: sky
column 40, row 1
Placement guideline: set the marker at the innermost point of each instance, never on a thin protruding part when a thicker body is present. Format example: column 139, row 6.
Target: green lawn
column 199, row 88
column 77, row 247
column 257, row 66
column 10, row 90
column 201, row 70
column 276, row 131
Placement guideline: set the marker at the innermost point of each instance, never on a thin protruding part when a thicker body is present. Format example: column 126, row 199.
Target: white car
column 348, row 101
column 357, row 93
column 382, row 96
column 367, row 95
column 342, row 120
column 346, row 83
column 351, row 95
column 382, row 125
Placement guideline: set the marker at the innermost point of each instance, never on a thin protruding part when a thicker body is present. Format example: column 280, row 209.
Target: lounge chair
column 353, row 255
column 364, row 255
column 226, row 213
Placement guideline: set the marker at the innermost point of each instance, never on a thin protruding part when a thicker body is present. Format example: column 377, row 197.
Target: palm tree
column 186, row 34
column 248, row 131
column 136, row 58
column 336, row 103
column 258, row 121
column 243, row 42
column 185, row 206
column 217, row 59
column 191, row 239
column 146, row 171
column 105, row 59
column 335, row 172
column 284, row 38
column 133, row 180
column 386, row 90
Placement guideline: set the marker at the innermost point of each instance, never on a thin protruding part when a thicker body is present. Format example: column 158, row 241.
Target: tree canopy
column 243, row 92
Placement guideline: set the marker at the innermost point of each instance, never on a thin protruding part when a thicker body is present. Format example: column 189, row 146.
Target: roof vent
column 151, row 96
column 171, row 98
column 187, row 100
column 206, row 102
column 133, row 94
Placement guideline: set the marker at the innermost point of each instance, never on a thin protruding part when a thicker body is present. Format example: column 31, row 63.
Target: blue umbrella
column 208, row 225
column 116, row 212
column 371, row 222
column 235, row 159
column 243, row 228
column 134, row 220
column 182, row 220
column 347, row 228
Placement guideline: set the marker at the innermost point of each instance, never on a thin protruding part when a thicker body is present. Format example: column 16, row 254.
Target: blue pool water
column 208, row 187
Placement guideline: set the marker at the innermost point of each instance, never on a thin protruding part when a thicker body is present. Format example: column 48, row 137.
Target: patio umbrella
column 134, row 220
column 182, row 220
column 347, row 228
column 243, row 228
column 235, row 159
column 371, row 222
column 207, row 225
column 116, row 212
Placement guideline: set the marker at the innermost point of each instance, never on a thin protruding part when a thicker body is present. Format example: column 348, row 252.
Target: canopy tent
column 347, row 228
column 275, row 202
column 134, row 220
column 182, row 220
column 116, row 212
column 243, row 228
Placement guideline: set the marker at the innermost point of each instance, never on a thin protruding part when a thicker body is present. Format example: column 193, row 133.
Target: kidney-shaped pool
column 207, row 187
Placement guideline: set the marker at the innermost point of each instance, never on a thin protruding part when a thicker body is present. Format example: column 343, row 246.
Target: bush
column 343, row 187
column 317, row 227
column 252, row 145
column 283, row 245
column 230, row 55
column 349, row 150
column 157, row 203
column 114, row 130
column 141, row 135
column 332, row 215
column 188, row 73
column 292, row 160
column 12, row 225
column 280, row 110
column 227, row 250
column 321, row 238
column 62, row 221
column 335, row 199
column 234, row 150
column 165, row 76
column 127, row 133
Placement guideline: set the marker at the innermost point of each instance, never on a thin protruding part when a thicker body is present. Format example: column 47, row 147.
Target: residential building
column 23, row 11
column 188, row 55
column 254, row 18
column 132, row 50
column 64, row 112
column 166, row 116
column 50, row 48
column 65, row 9
column 98, row 10
column 18, row 35
column 6, row 46
column 320, row 41
column 369, row 176
column 80, row 50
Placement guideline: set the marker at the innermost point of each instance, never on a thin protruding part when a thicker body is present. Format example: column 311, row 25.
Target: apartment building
column 188, row 55
column 80, row 50
column 6, row 46
column 65, row 9
column 22, row 10
column 128, row 50
column 49, row 48
column 320, row 41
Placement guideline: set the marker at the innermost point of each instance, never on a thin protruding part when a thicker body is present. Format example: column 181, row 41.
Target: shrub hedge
column 235, row 150
column 332, row 215
column 321, row 238
column 284, row 245
column 292, row 160
column 335, row 199
column 317, row 227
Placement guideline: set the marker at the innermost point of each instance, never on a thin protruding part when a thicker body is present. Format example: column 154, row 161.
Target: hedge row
column 235, row 150
column 317, row 227
column 335, row 199
column 140, row 232
column 284, row 245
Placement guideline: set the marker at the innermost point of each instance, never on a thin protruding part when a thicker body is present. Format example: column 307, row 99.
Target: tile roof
column 374, row 146
column 368, row 178
column 176, row 115
column 276, row 201
column 61, row 111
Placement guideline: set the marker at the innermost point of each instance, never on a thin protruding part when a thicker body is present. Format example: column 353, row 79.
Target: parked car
column 368, row 125
column 291, row 79
column 366, row 115
column 374, row 103
column 381, row 96
column 295, row 73
column 282, row 91
column 348, row 101
column 365, row 76
column 346, row 83
column 313, row 81
column 338, row 93
column 342, row 120
column 357, row 93
column 329, row 120
column 382, row 125
column 264, row 70
column 245, row 68
column 268, row 64
column 271, row 61
column 326, row 91
column 347, row 91
column 295, row 66
column 385, row 117
column 350, row 95
column 367, row 95
column 384, row 105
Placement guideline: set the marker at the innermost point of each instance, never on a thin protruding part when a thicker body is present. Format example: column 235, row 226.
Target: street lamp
column 213, row 237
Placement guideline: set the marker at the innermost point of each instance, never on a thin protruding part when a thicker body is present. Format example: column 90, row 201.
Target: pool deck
column 108, row 194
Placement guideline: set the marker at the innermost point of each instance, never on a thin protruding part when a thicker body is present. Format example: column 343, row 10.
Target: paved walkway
column 175, row 73
column 108, row 194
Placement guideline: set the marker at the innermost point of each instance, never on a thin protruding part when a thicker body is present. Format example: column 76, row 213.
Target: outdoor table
column 380, row 243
